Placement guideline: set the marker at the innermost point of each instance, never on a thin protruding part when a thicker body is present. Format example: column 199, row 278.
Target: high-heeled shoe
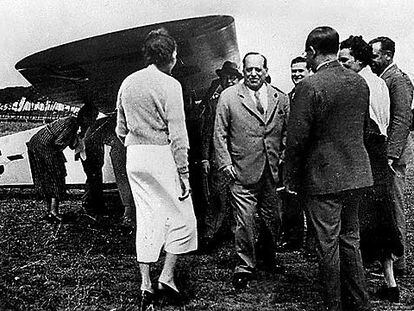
column 147, row 301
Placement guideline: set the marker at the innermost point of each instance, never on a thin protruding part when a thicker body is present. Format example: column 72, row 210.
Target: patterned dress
column 46, row 158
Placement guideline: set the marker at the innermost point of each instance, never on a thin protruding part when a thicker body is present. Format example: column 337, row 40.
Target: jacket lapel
column 272, row 103
column 247, row 102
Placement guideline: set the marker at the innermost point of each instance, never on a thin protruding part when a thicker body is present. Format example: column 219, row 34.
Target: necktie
column 258, row 104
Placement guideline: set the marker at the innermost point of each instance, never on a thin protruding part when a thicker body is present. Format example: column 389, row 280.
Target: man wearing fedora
column 215, row 189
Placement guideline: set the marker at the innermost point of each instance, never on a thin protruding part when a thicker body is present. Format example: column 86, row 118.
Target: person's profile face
column 310, row 56
column 254, row 72
column 173, row 61
column 298, row 72
column 380, row 59
column 348, row 61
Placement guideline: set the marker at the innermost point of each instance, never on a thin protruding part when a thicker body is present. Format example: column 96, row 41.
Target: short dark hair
column 324, row 40
column 255, row 53
column 386, row 44
column 159, row 47
column 359, row 49
column 299, row 59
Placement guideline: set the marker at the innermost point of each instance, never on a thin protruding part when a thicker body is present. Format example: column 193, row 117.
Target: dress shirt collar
column 262, row 95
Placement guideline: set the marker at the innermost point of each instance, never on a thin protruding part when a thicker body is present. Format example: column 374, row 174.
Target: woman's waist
column 155, row 139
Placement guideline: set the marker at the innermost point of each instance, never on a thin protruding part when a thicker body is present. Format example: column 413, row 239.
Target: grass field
column 91, row 266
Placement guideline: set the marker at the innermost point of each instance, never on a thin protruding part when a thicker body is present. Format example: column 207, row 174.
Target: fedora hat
column 229, row 68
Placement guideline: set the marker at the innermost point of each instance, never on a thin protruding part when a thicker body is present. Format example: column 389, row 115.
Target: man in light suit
column 398, row 149
column 327, row 162
column 250, row 124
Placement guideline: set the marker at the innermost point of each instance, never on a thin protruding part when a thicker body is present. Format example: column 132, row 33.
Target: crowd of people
column 321, row 169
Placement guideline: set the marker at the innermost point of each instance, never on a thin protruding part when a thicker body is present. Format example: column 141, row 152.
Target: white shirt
column 262, row 96
column 379, row 99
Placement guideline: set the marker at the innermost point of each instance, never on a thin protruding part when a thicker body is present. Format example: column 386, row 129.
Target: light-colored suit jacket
column 401, row 97
column 245, row 138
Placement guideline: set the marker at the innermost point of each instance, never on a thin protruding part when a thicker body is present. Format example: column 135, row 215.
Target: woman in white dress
column 151, row 124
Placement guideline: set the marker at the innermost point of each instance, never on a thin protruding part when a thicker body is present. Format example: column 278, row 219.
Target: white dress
column 162, row 219
column 151, row 121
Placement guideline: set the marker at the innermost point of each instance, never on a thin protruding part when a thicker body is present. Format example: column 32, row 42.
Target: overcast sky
column 276, row 28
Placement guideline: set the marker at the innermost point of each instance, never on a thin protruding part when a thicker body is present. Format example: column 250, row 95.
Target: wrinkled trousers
column 248, row 202
column 335, row 219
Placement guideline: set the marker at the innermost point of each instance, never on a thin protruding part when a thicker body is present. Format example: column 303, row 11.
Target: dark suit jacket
column 401, row 97
column 207, row 122
column 246, row 139
column 325, row 146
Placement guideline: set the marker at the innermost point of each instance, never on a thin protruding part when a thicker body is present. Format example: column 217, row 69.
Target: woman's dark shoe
column 173, row 296
column 147, row 301
column 392, row 294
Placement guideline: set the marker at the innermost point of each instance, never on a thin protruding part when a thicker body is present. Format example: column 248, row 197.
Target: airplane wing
column 91, row 70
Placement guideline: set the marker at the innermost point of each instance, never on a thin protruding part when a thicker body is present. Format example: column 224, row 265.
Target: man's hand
column 80, row 150
column 390, row 165
column 289, row 191
column 185, row 186
column 205, row 167
column 229, row 172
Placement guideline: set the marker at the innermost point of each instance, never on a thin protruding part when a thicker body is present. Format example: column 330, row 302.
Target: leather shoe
column 392, row 294
column 241, row 280
column 172, row 295
column 147, row 301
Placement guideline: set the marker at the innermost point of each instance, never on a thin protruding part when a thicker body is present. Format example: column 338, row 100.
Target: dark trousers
column 335, row 219
column 102, row 133
column 218, row 214
column 248, row 202
column 293, row 221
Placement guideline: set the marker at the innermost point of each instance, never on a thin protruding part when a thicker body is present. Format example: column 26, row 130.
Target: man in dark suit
column 293, row 218
column 215, row 188
column 326, row 161
column 398, row 148
column 250, row 124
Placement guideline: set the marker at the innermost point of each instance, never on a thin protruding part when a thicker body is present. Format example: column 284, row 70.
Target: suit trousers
column 259, row 200
column 218, row 214
column 397, row 190
column 293, row 221
column 335, row 219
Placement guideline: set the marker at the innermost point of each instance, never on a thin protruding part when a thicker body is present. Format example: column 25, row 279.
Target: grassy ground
column 89, row 266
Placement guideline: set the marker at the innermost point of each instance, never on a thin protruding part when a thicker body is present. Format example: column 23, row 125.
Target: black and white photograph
column 206, row 155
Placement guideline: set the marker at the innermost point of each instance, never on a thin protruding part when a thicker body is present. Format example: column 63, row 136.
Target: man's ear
column 388, row 55
column 312, row 50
